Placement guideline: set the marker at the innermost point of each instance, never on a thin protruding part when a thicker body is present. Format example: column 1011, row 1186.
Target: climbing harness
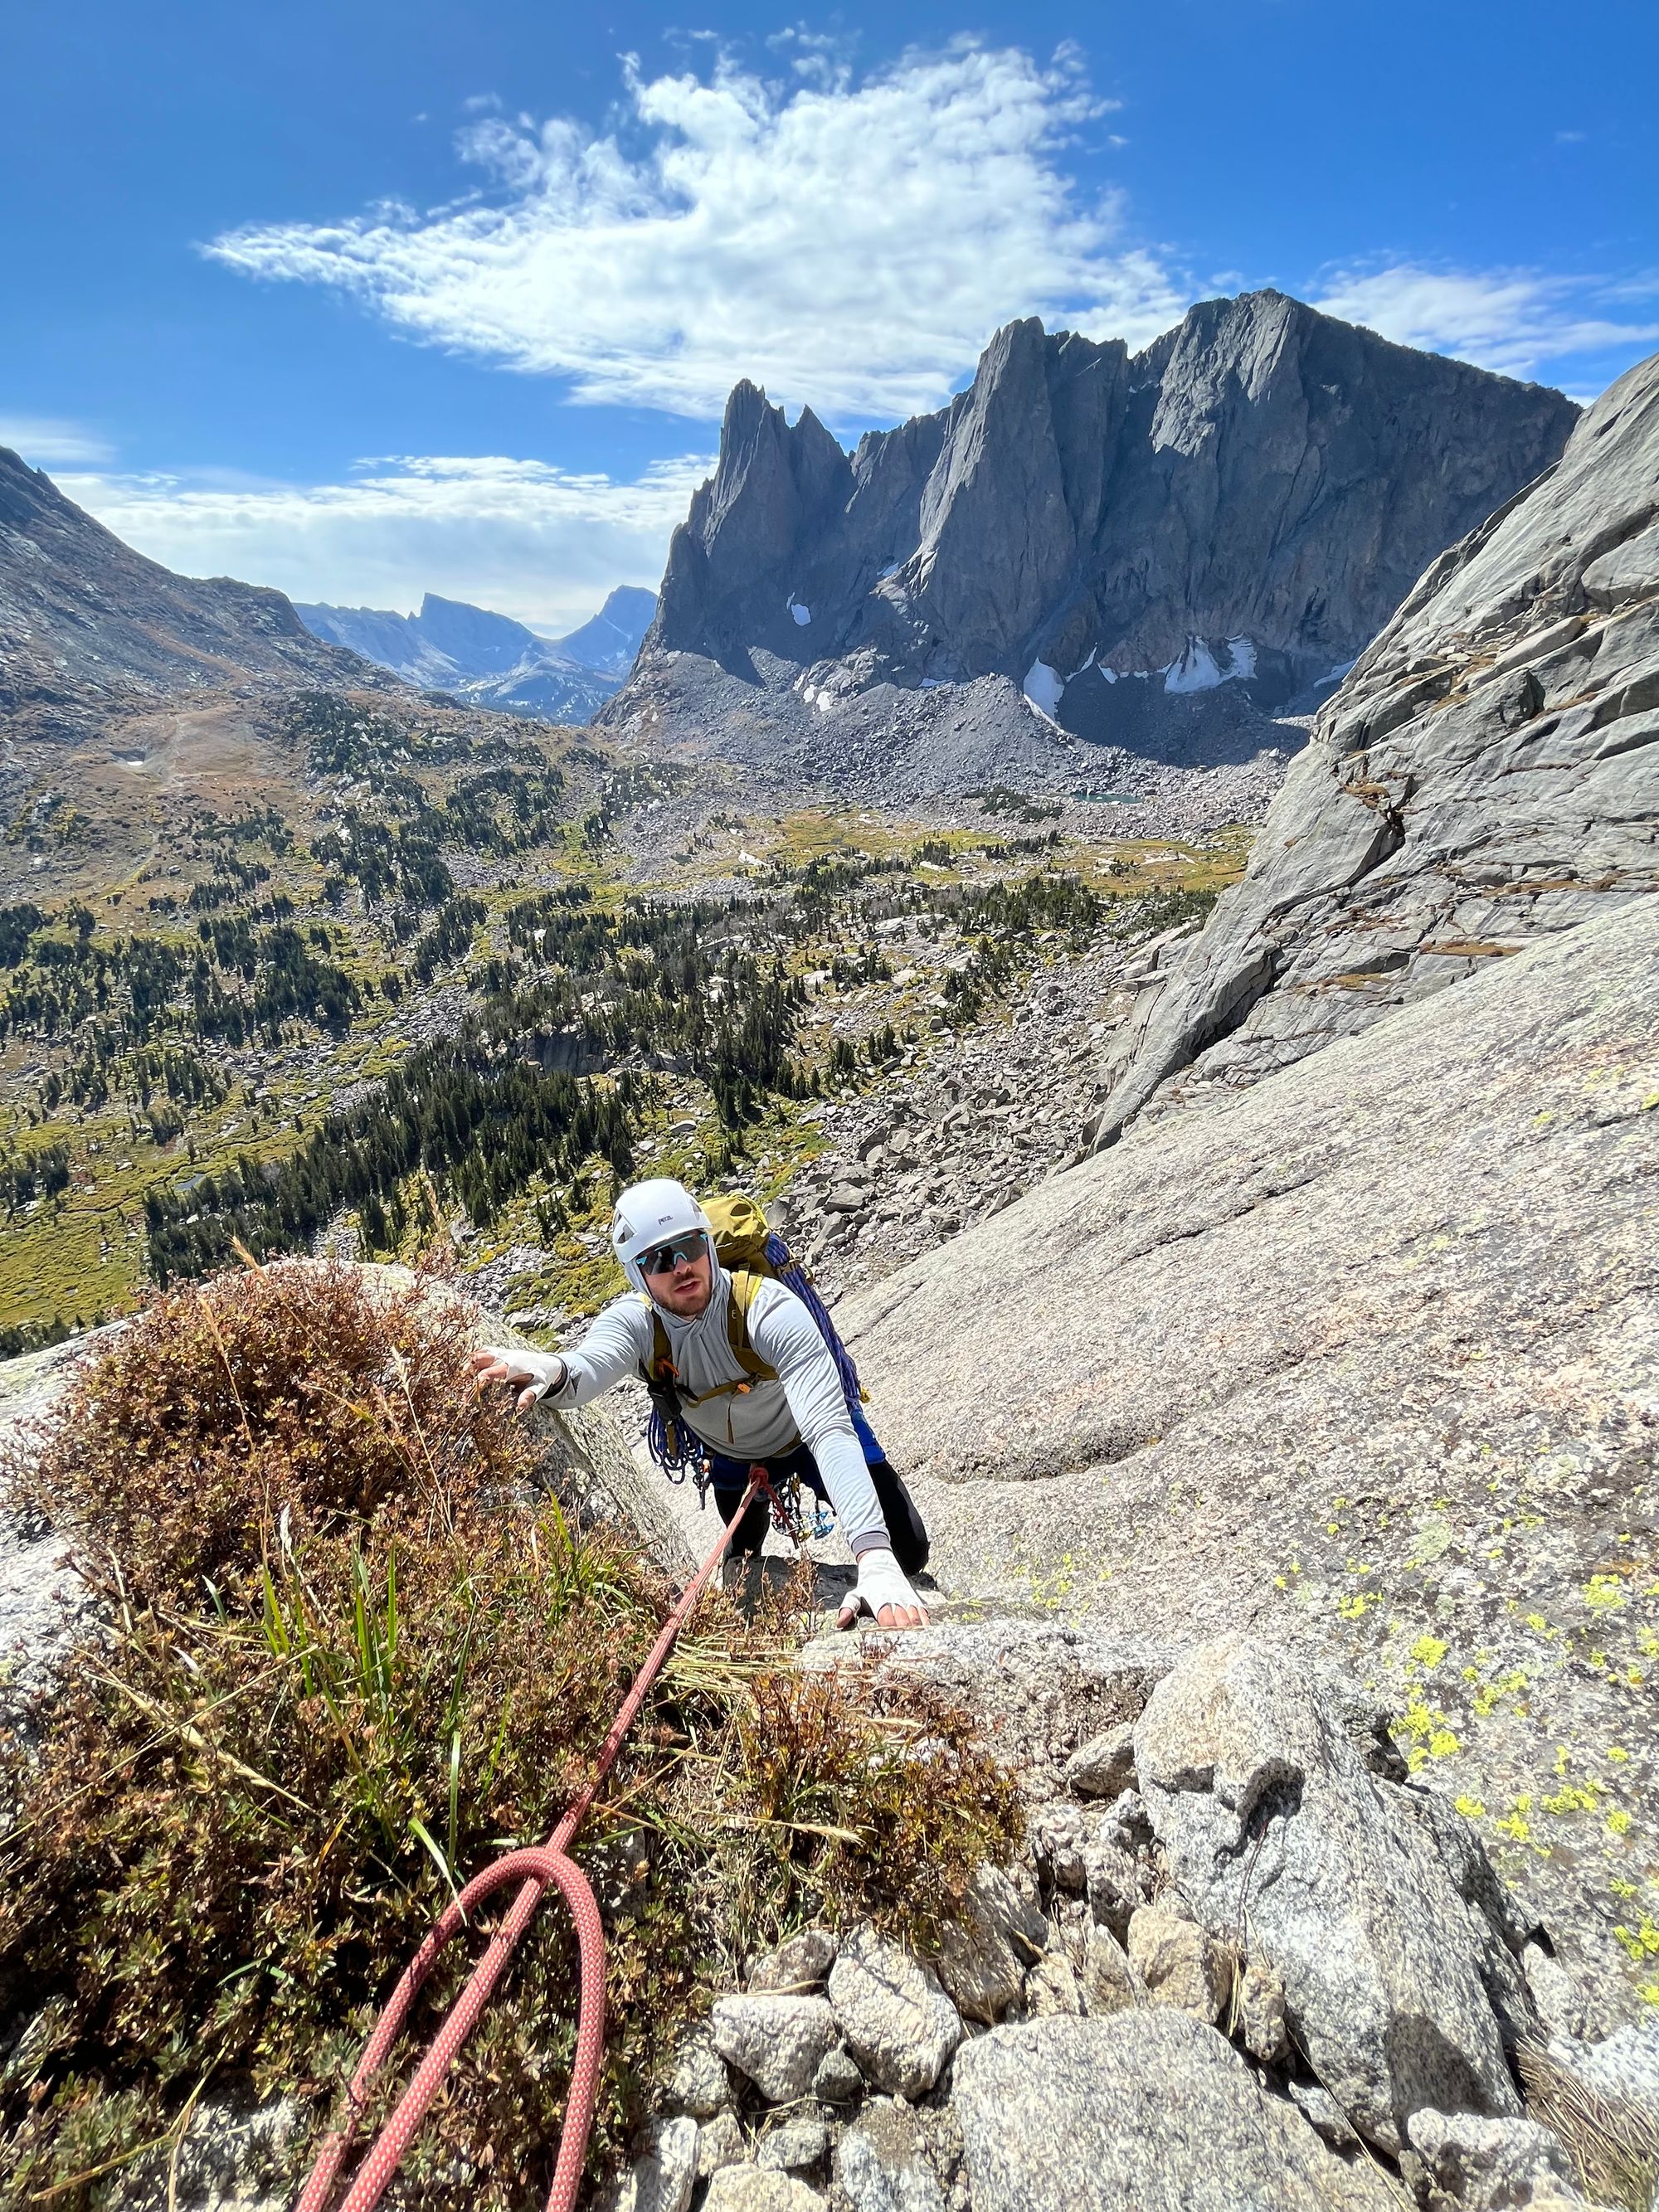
column 537, row 1869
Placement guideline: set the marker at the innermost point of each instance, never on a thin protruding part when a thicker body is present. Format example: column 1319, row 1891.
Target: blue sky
column 363, row 299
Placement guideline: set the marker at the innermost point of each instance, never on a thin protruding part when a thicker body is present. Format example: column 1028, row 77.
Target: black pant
column 906, row 1530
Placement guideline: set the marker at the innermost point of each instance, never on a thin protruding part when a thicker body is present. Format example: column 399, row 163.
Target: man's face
column 680, row 1276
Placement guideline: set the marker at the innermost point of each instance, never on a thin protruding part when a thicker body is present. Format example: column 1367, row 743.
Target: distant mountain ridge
column 491, row 660
column 1226, row 518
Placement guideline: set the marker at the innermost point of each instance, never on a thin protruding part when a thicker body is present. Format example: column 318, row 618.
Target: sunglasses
column 677, row 1251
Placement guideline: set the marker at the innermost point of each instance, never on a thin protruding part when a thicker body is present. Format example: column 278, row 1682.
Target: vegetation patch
column 352, row 1647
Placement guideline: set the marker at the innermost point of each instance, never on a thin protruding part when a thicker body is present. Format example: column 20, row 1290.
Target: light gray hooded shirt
column 805, row 1405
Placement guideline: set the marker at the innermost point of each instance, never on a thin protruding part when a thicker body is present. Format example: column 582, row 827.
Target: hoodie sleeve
column 618, row 1343
column 786, row 1337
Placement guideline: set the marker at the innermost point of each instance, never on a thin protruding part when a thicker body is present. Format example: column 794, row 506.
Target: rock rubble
column 1346, row 2035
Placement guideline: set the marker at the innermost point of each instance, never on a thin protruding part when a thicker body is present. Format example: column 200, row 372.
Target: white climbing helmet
column 647, row 1214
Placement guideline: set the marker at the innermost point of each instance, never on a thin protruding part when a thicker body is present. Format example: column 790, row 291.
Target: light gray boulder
column 795, row 1967
column 759, row 2188
column 1179, row 1963
column 1052, row 1987
column 662, row 2179
column 1262, row 2027
column 882, row 2166
column 719, row 2143
column 1322, row 2112
column 898, row 2021
column 984, row 1952
column 799, row 2140
column 778, row 2042
column 838, row 2081
column 1105, row 1766
column 1623, row 2068
column 700, row 2084
column 1147, row 2111
column 1490, row 2165
column 1107, row 1981
column 1272, row 1822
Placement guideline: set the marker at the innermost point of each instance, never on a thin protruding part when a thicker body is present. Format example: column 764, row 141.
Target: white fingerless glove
column 880, row 1583
column 536, row 1371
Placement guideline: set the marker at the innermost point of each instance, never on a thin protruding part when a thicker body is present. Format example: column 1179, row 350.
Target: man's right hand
column 528, row 1373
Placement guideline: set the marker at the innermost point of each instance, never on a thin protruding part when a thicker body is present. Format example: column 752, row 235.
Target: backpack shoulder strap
column 744, row 1288
column 660, row 1366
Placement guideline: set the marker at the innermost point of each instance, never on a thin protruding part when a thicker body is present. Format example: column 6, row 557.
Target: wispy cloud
column 850, row 243
column 46, row 440
column 1517, row 321
column 520, row 537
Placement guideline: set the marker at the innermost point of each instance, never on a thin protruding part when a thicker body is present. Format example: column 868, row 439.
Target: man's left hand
column 882, row 1591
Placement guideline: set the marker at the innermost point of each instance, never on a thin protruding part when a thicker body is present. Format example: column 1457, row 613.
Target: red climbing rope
column 539, row 1868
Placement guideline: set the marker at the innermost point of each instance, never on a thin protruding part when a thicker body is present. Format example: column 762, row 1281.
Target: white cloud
column 47, row 439
column 848, row 243
column 521, row 538
column 1512, row 320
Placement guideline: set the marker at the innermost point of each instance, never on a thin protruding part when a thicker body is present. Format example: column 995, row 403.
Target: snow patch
column 891, row 569
column 1089, row 663
column 1198, row 669
column 1195, row 670
column 1107, row 674
column 1342, row 668
column 825, row 702
column 808, row 692
column 1044, row 689
column 746, row 859
column 803, row 615
column 935, row 683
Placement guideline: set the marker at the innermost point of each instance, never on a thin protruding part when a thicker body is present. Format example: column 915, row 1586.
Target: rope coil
column 539, row 1867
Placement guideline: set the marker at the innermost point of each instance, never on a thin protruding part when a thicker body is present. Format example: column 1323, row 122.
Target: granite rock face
column 1364, row 1359
column 1156, row 549
column 1487, row 774
column 1394, row 1981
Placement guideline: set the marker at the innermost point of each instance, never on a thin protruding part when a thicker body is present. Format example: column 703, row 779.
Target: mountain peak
column 1261, row 474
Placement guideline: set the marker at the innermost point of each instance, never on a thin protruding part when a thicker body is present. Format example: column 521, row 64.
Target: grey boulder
column 898, row 2022
column 1272, row 1820
column 1148, row 2111
column 1105, row 1766
column 759, row 2188
column 795, row 1967
column 882, row 2166
column 1490, row 2165
column 985, row 1951
column 663, row 2177
column 779, row 2042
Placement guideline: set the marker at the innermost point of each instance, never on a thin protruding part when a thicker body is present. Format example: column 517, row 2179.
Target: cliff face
column 1487, row 774
column 1244, row 503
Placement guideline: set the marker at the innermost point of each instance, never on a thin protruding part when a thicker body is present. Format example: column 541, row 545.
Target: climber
column 794, row 1422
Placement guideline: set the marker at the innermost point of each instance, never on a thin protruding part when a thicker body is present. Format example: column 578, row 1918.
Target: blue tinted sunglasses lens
column 667, row 1257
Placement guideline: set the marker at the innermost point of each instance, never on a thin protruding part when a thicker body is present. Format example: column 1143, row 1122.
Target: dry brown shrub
column 348, row 1657
column 293, row 1399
